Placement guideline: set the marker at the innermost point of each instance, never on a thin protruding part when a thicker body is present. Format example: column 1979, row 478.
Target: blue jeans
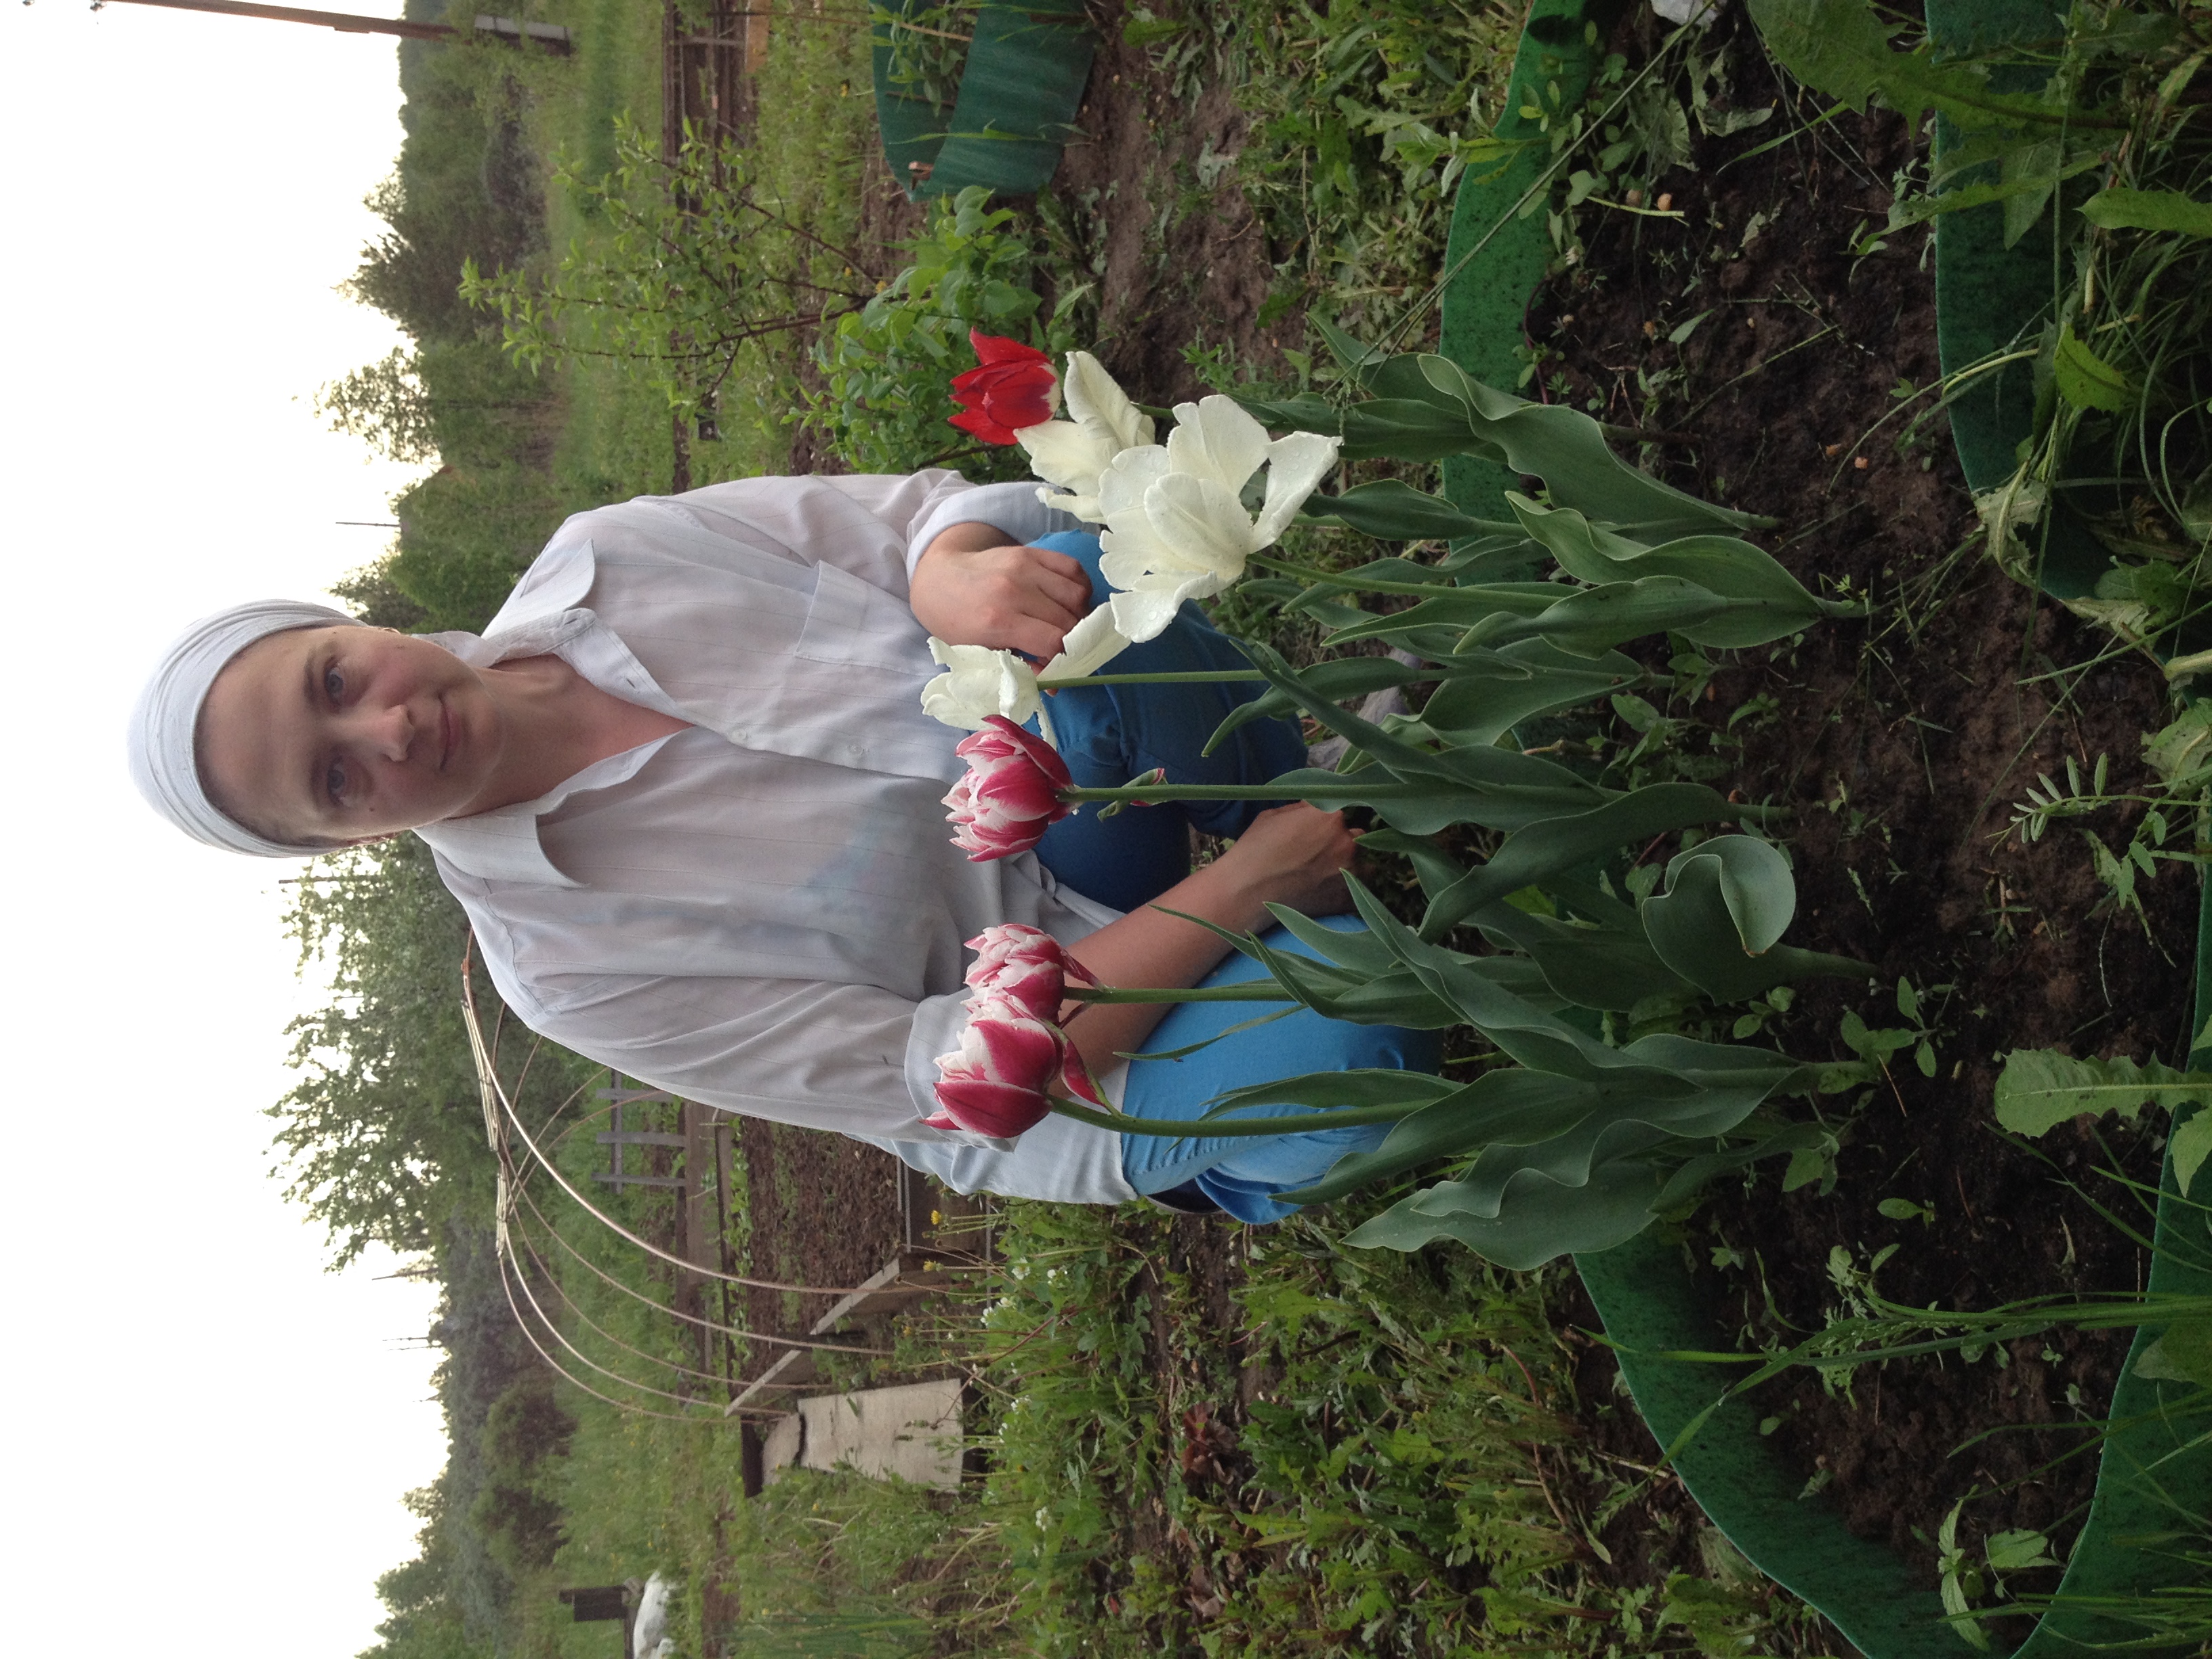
column 1110, row 734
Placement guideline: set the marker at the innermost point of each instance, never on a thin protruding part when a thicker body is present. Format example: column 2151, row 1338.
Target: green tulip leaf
column 1727, row 901
column 1500, row 1103
column 1391, row 510
column 1551, row 846
column 1755, row 880
column 1590, row 967
column 1541, row 1220
column 2182, row 1353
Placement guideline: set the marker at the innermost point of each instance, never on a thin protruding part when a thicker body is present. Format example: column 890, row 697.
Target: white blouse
column 764, row 912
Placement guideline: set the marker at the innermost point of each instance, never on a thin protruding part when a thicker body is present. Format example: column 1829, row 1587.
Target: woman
column 683, row 788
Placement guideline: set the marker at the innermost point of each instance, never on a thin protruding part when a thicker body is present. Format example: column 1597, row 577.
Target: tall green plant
column 1570, row 1141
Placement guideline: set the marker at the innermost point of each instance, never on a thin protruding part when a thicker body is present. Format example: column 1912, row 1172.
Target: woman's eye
column 333, row 684
column 334, row 781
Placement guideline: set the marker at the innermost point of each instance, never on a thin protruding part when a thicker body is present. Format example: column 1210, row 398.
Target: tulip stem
column 1200, row 1127
column 1191, row 676
column 1354, row 787
column 1249, row 991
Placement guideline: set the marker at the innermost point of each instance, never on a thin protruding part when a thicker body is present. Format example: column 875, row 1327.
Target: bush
column 887, row 369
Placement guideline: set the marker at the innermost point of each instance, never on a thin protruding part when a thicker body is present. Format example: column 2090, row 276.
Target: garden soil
column 1903, row 747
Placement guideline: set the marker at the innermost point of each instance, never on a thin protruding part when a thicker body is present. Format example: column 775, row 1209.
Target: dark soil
column 1903, row 747
column 1180, row 256
column 825, row 1211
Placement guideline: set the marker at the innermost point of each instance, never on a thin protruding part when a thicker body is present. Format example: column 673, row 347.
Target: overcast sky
column 208, row 1435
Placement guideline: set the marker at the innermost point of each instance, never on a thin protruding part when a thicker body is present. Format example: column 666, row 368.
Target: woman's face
column 341, row 734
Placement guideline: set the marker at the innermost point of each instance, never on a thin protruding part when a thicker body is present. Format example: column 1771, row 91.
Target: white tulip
column 1090, row 646
column 1074, row 452
column 1176, row 528
column 977, row 683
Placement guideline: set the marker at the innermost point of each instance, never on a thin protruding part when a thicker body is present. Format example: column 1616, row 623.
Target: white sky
column 207, row 1436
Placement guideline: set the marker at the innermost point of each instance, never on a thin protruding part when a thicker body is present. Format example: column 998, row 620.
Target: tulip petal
column 1143, row 613
column 1296, row 463
column 1090, row 644
column 975, row 421
column 979, row 682
column 1215, row 439
column 1093, row 394
column 1203, row 523
column 1067, row 453
column 997, row 349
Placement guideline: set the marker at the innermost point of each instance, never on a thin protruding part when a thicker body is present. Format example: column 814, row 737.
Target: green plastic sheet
column 1020, row 93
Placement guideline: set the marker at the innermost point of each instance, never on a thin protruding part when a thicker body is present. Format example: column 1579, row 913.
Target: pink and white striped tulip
column 1024, row 965
column 1011, row 794
column 998, row 1081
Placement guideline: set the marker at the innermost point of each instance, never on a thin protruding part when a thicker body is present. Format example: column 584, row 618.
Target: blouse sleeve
column 850, row 1058
column 815, row 517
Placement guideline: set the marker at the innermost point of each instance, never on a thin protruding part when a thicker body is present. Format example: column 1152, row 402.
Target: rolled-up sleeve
column 850, row 1058
column 1013, row 508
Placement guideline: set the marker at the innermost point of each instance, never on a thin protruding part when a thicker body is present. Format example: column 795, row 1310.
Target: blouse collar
column 544, row 618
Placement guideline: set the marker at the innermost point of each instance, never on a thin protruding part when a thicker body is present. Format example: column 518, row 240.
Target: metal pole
column 552, row 36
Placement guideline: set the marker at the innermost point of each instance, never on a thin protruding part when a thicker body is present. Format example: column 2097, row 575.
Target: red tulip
column 1013, row 386
column 1009, row 795
column 998, row 1081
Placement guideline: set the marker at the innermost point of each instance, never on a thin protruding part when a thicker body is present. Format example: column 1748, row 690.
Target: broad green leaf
column 1393, row 511
column 1326, row 1090
column 2181, row 751
column 1454, row 608
column 1723, row 564
column 2182, row 1353
column 2148, row 210
column 1501, row 1103
column 1336, row 681
column 1693, row 927
column 1520, row 682
column 1436, row 869
column 1568, row 450
column 1686, row 1183
column 1540, row 1221
column 1755, row 882
column 1841, row 47
column 2040, row 1089
column 1551, row 846
column 2013, row 190
column 1427, row 407
column 2189, row 1146
column 2084, row 378
column 1590, row 967
column 1597, row 619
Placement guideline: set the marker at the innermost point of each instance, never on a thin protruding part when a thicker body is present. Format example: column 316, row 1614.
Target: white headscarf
column 162, row 762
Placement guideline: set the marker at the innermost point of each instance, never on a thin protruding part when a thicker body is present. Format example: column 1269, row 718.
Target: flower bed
column 1741, row 1462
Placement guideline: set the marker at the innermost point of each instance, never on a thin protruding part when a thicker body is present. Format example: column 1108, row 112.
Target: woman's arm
column 1294, row 855
column 971, row 588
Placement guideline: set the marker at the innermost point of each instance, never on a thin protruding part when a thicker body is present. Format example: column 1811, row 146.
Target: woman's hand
column 971, row 588
column 1295, row 855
